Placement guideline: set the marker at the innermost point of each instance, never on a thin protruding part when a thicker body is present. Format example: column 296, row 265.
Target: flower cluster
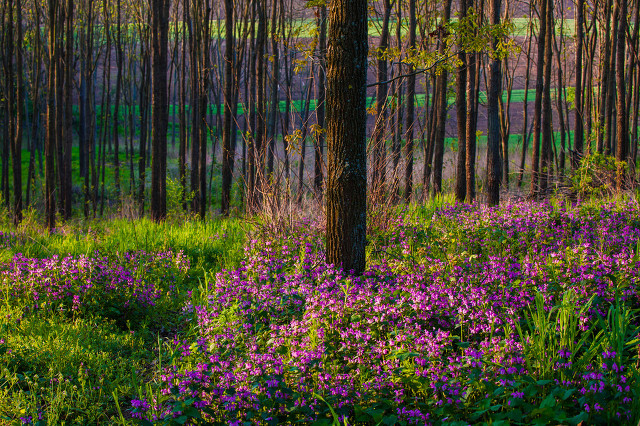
column 428, row 331
column 116, row 285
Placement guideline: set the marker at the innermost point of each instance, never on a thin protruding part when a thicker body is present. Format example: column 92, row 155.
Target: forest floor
column 525, row 313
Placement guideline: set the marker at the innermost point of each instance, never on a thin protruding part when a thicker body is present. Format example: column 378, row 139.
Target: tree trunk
column 525, row 116
column 260, row 130
column 346, row 135
column 622, row 128
column 227, row 152
column 320, row 110
column 17, row 154
column 493, row 117
column 160, row 111
column 471, row 121
column 303, row 137
column 547, row 123
column 411, row 94
column 604, row 79
column 116, row 108
column 537, row 109
column 578, row 130
column 461, row 114
column 50, row 142
column 441, row 114
column 379, row 142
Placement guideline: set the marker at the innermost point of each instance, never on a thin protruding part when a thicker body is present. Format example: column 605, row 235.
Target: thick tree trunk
column 346, row 135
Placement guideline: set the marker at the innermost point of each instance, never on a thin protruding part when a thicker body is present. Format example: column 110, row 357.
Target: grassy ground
column 84, row 366
column 98, row 318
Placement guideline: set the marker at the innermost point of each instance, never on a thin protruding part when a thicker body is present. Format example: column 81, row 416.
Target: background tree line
column 228, row 100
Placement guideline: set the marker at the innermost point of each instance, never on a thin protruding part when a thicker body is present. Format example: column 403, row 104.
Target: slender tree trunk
column 604, row 80
column 379, row 142
column 303, row 137
column 471, row 120
column 17, row 144
column 411, row 94
column 227, row 152
column 537, row 109
column 50, row 143
column 560, row 100
column 578, row 130
column 260, row 145
column 318, row 175
column 493, row 117
column 61, row 166
column 547, row 123
column 505, row 122
column 116, row 108
column 144, row 112
column 397, row 114
column 441, row 114
column 622, row 127
column 461, row 115
column 274, row 102
column 67, row 142
column 160, row 111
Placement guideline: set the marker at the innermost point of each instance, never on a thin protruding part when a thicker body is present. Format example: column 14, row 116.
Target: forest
column 323, row 212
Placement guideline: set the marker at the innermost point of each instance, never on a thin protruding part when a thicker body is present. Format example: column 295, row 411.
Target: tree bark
column 160, row 111
column 227, row 152
column 379, row 142
column 578, row 130
column 493, row 117
column 319, row 139
column 441, row 113
column 411, row 94
column 622, row 127
column 51, row 139
column 537, row 109
column 461, row 115
column 346, row 135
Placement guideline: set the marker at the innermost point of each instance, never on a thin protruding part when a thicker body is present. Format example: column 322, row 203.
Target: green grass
column 81, row 369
